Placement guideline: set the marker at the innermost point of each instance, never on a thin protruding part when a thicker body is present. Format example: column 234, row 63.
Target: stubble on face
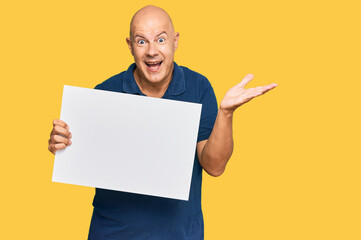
column 153, row 42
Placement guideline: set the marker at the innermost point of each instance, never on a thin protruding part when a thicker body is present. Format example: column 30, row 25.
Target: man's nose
column 152, row 49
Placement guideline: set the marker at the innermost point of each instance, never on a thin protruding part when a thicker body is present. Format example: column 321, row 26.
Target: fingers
column 245, row 80
column 60, row 131
column 263, row 88
column 269, row 87
column 60, row 123
column 249, row 77
column 266, row 88
column 59, row 136
column 255, row 92
column 55, row 147
column 60, row 139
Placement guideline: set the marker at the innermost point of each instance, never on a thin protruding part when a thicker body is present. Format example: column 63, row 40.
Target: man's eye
column 141, row 42
column 161, row 40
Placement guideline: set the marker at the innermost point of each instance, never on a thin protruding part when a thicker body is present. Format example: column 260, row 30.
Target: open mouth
column 154, row 66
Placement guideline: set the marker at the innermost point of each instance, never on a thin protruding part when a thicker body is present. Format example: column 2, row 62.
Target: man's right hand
column 59, row 136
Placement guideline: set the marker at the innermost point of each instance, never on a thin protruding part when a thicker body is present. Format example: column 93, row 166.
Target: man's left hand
column 238, row 96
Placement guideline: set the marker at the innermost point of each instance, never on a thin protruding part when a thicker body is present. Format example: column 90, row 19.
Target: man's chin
column 154, row 79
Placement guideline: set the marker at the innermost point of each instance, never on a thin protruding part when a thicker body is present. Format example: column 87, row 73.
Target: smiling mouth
column 154, row 66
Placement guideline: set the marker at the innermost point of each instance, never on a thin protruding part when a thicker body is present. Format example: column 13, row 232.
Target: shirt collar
column 176, row 86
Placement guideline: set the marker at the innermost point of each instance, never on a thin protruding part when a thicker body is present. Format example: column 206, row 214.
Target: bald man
column 120, row 215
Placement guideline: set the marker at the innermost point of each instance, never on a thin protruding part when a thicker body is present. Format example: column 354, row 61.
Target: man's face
column 153, row 43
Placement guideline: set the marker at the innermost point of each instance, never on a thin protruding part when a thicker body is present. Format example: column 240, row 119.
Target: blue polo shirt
column 121, row 215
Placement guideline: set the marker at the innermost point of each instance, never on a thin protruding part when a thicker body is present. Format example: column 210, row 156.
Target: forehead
column 151, row 24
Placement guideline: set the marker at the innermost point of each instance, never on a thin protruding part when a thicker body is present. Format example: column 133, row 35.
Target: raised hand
column 59, row 136
column 238, row 95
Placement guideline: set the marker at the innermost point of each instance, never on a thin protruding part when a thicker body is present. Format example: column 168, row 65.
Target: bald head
column 148, row 15
column 152, row 42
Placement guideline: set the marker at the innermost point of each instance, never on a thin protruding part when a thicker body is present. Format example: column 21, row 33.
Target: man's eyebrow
column 161, row 33
column 138, row 36
column 164, row 32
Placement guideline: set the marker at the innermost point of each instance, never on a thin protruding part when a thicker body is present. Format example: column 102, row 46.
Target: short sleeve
column 208, row 114
column 101, row 86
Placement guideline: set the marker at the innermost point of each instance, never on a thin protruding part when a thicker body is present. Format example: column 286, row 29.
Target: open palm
column 238, row 95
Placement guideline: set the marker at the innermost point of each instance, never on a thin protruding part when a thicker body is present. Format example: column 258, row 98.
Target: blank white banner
column 128, row 143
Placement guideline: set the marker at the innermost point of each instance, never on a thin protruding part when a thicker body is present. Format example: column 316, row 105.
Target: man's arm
column 214, row 153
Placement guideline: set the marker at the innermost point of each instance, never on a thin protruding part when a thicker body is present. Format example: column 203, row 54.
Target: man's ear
column 176, row 40
column 130, row 45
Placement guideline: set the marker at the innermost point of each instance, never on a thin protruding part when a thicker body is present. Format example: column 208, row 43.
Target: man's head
column 152, row 42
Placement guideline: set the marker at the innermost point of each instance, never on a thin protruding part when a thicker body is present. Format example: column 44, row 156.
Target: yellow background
column 295, row 171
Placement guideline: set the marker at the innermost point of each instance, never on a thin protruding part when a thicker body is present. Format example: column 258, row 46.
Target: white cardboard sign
column 128, row 143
